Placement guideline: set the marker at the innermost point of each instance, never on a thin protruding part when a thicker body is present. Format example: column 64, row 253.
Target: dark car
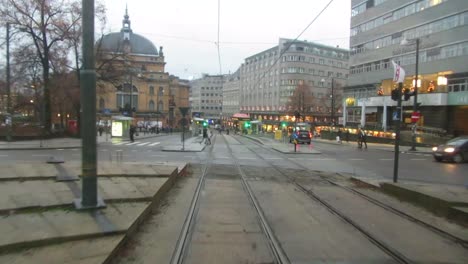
column 301, row 136
column 455, row 150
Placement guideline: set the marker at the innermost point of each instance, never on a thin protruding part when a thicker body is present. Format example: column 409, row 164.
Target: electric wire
column 292, row 42
column 217, row 43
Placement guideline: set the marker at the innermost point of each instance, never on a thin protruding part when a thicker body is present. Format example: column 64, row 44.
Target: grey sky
column 187, row 29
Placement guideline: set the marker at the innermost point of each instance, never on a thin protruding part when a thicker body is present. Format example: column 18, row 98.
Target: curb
column 436, row 205
column 156, row 201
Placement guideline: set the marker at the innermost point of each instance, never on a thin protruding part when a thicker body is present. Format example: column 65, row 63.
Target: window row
column 395, row 15
column 211, row 88
column 429, row 55
column 295, row 58
column 424, row 30
column 212, row 107
column 318, row 51
column 215, row 94
column 361, row 8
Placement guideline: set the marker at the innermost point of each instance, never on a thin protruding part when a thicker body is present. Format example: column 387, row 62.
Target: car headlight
column 449, row 150
column 434, row 149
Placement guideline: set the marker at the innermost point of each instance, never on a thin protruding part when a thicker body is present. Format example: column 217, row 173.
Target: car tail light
column 310, row 135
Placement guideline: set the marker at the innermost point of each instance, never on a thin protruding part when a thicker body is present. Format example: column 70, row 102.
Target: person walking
column 339, row 136
column 347, row 135
column 132, row 132
column 362, row 138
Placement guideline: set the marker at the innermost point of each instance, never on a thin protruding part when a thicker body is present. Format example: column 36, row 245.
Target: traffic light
column 406, row 95
column 205, row 124
column 283, row 124
column 247, row 124
column 395, row 94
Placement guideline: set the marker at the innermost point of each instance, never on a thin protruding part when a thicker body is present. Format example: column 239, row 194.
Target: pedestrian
column 338, row 136
column 362, row 138
column 132, row 132
column 347, row 135
column 100, row 129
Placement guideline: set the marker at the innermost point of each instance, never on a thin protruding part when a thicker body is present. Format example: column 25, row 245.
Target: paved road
column 346, row 158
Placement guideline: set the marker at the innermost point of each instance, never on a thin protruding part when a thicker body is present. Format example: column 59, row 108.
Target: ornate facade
column 132, row 80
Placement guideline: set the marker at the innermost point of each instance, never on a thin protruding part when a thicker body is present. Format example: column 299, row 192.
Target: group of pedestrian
column 361, row 137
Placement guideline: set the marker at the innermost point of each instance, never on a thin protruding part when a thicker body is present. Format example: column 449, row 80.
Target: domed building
column 131, row 80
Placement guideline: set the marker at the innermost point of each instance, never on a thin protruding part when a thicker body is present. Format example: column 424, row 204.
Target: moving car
column 301, row 136
column 455, row 150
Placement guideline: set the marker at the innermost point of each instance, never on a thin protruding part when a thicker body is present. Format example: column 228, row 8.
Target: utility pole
column 415, row 94
column 332, row 101
column 89, row 197
column 397, row 135
column 9, row 120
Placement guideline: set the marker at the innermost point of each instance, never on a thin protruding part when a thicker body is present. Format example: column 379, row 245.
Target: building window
column 160, row 106
column 151, row 105
column 151, row 90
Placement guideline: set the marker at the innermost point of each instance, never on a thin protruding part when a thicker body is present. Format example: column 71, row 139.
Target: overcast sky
column 188, row 29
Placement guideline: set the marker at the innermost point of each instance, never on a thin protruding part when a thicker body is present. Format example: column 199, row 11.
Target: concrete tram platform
column 39, row 223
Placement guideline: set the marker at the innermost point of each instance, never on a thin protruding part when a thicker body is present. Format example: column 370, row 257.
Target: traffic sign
column 415, row 117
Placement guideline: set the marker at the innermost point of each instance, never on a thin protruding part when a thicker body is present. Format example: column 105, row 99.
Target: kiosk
column 121, row 126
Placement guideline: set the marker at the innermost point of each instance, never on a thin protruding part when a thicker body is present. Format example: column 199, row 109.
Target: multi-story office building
column 386, row 30
column 231, row 95
column 268, row 80
column 206, row 96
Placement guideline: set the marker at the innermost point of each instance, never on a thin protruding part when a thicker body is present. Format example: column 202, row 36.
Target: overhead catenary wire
column 291, row 42
column 217, row 43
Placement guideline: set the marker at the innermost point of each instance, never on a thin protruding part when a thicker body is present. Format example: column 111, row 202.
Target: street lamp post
column 415, row 93
column 415, row 104
column 332, row 101
column 10, row 114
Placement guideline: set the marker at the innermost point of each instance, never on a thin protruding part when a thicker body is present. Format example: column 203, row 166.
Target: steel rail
column 453, row 238
column 395, row 254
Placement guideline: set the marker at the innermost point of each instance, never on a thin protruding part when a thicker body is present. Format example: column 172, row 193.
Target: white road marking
column 273, row 158
column 41, row 155
column 385, row 159
column 142, row 144
column 247, row 158
column 418, row 159
column 356, row 159
column 157, row 156
column 133, row 143
column 154, row 144
column 321, row 159
column 119, row 143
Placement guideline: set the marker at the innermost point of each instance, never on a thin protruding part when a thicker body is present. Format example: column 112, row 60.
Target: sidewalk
column 65, row 143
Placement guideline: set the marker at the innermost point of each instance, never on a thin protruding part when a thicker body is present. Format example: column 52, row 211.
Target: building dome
column 117, row 41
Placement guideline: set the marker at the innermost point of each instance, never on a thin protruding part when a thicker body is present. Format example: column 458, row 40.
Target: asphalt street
column 346, row 158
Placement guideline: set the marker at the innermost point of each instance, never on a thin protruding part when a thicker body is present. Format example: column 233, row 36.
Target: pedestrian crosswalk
column 136, row 144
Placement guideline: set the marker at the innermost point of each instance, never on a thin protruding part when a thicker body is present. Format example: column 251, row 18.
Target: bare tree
column 47, row 24
column 301, row 101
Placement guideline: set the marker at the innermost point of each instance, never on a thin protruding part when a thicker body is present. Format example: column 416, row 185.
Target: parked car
column 455, row 150
column 301, row 136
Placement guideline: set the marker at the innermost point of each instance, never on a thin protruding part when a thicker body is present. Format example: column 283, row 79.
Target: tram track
column 392, row 252
column 183, row 242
